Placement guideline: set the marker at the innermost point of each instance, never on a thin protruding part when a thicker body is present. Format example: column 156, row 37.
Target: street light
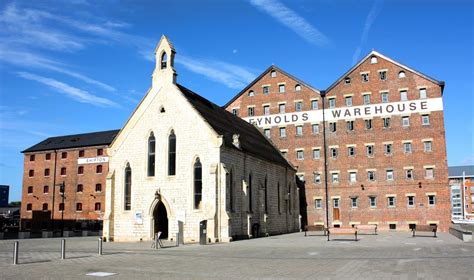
column 323, row 95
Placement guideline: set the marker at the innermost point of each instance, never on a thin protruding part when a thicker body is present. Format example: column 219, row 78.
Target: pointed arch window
column 128, row 188
column 231, row 190
column 172, row 154
column 164, row 60
column 151, row 155
column 249, row 192
column 197, row 184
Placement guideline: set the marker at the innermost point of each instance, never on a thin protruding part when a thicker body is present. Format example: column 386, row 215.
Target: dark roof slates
column 74, row 141
column 252, row 141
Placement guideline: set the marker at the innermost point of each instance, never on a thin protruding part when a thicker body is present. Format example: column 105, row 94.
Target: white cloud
column 75, row 93
column 374, row 11
column 292, row 20
column 30, row 59
column 231, row 75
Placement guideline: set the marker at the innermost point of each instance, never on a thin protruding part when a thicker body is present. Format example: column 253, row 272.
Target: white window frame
column 282, row 132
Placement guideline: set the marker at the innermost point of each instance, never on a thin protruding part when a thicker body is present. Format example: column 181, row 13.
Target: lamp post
column 323, row 95
column 62, row 188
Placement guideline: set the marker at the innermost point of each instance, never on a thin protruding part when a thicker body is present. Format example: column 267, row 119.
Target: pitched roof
column 440, row 83
column 252, row 141
column 456, row 171
column 272, row 67
column 74, row 141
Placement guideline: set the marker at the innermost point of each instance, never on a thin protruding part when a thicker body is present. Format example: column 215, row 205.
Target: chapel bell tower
column 164, row 69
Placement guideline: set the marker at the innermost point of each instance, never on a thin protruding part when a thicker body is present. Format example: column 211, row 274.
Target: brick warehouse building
column 386, row 150
column 81, row 163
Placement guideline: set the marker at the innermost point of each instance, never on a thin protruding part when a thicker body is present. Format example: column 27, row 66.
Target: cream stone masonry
column 231, row 177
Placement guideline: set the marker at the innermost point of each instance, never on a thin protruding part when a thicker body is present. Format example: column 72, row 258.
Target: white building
column 181, row 158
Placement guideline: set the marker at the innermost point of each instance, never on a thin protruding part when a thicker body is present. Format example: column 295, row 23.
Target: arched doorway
column 160, row 217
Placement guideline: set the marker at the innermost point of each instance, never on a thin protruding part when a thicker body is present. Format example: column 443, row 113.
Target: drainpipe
column 54, row 188
column 323, row 95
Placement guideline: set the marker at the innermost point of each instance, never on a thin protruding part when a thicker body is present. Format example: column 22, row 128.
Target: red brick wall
column 88, row 197
column 401, row 214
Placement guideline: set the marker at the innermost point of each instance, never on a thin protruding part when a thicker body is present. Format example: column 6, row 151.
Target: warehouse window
column 318, row 203
column 425, row 119
column 151, row 155
column 45, row 206
column 409, row 174
column 267, row 132
column 80, row 170
column 333, row 152
column 401, row 74
column 29, row 207
column 403, row 95
column 297, row 88
column 410, row 201
column 172, row 153
column 98, row 187
column 281, row 108
column 46, row 172
column 266, row 110
column 350, row 125
column 371, row 175
column 80, row 188
column 61, row 206
column 406, row 121
column 300, row 155
column 386, row 122
column 365, row 77
column 128, row 188
column 251, row 93
column 32, row 157
column 348, row 100
column 299, row 130
column 30, row 189
column 281, row 88
column 266, row 90
column 45, row 189
column 332, row 103
column 63, row 171
column 332, row 127
column 317, row 178
column 391, row 201
column 282, row 131
column 197, row 184
column 251, row 111
column 98, row 169
column 100, row 152
column 347, row 81
column 431, row 200
column 366, row 99
column 423, row 93
column 273, row 73
column 31, row 173
column 64, row 155
column 315, row 128
column 79, row 206
column 387, row 149
column 373, row 60
column 383, row 75
column 97, row 206
column 81, row 153
column 368, row 124
column 47, row 156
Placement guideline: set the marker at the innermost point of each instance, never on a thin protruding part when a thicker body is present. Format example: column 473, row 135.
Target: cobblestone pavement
column 291, row 256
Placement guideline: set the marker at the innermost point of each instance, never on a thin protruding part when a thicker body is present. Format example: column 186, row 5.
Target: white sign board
column 138, row 218
column 92, row 160
column 349, row 113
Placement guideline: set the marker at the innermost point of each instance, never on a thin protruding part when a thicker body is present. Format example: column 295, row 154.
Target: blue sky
column 80, row 66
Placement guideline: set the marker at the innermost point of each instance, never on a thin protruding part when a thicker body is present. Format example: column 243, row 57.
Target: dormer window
column 273, row 73
column 164, row 60
column 347, row 81
column 401, row 74
column 373, row 60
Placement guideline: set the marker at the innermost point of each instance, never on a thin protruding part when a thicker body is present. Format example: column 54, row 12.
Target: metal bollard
column 177, row 239
column 63, row 249
column 15, row 252
column 99, row 251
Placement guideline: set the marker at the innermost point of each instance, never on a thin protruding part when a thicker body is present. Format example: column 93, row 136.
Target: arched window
column 401, row 74
column 197, row 184
column 373, row 59
column 151, row 155
column 251, row 93
column 266, row 195
column 249, row 192
column 128, row 188
column 297, row 88
column 164, row 60
column 231, row 190
column 172, row 154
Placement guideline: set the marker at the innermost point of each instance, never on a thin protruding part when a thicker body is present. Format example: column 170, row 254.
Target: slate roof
column 456, row 171
column 252, row 141
column 74, row 141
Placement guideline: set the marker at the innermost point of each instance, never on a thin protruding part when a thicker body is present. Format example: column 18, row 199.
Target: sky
column 77, row 66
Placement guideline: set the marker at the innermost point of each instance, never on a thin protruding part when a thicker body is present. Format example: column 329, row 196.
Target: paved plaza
column 291, row 256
